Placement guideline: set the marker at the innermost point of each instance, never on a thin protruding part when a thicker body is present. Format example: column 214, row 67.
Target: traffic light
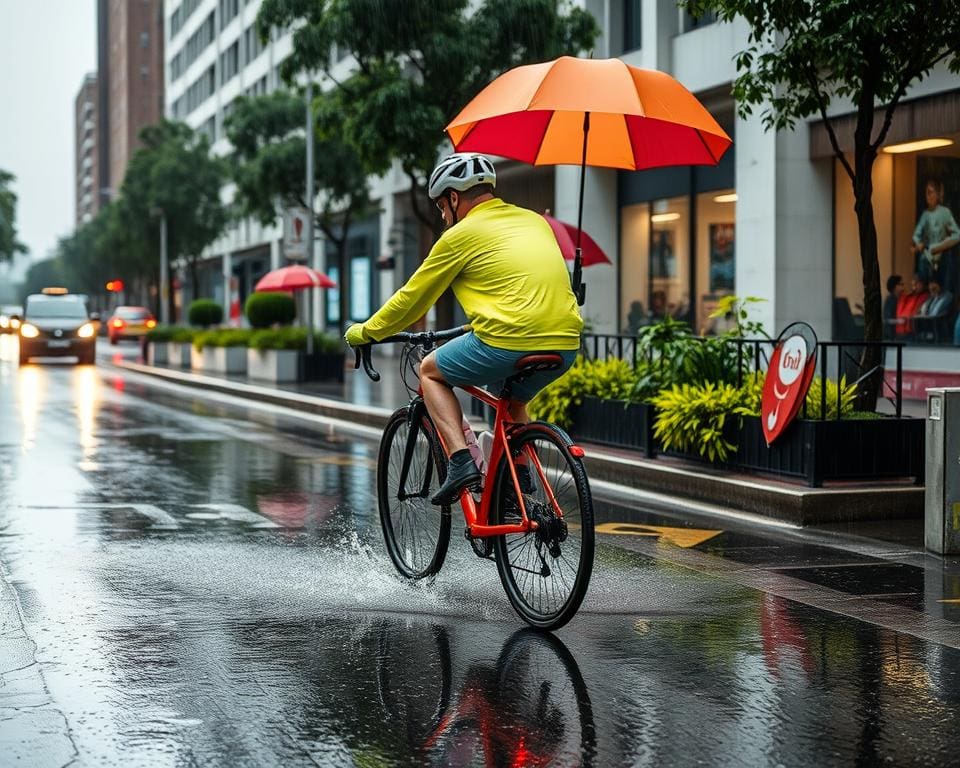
column 115, row 286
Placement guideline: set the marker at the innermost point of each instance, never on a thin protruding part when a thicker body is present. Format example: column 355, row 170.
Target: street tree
column 97, row 251
column 269, row 168
column 40, row 275
column 9, row 245
column 173, row 176
column 801, row 56
column 418, row 63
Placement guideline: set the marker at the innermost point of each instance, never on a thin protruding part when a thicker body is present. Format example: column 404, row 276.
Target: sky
column 46, row 48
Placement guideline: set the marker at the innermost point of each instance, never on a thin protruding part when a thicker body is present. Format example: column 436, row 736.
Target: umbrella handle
column 576, row 279
column 363, row 356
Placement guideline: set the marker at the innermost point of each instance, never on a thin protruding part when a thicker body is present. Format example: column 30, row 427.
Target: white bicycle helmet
column 461, row 171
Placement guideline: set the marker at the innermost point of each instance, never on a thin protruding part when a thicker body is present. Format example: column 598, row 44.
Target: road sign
column 788, row 378
column 295, row 233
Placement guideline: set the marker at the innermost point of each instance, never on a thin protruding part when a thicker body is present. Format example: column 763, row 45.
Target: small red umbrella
column 294, row 279
column 566, row 235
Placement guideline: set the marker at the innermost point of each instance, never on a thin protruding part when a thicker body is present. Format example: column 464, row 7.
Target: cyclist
column 508, row 274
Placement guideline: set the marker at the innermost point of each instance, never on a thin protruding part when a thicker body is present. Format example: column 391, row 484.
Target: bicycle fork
column 415, row 417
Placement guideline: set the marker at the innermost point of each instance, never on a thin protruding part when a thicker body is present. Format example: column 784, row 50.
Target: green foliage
column 183, row 335
column 419, row 63
column 694, row 416
column 9, row 245
column 295, row 338
column 270, row 308
column 162, row 333
column 222, row 337
column 753, row 395
column 40, row 275
column 204, row 313
column 609, row 379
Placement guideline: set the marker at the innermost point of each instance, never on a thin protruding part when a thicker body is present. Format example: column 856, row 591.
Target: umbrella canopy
column 566, row 235
column 627, row 117
column 294, row 278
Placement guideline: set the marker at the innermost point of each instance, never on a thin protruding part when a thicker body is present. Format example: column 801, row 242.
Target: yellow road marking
column 679, row 537
column 951, row 600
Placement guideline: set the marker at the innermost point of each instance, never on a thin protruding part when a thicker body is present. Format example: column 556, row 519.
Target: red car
column 129, row 323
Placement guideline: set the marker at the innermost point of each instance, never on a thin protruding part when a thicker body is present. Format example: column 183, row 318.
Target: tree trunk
column 871, row 358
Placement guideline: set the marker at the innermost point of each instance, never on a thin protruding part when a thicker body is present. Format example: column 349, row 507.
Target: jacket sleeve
column 420, row 292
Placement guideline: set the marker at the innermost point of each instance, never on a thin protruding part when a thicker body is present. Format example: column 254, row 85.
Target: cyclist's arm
column 421, row 292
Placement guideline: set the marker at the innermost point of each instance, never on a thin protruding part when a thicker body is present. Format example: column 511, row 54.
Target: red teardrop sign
column 788, row 379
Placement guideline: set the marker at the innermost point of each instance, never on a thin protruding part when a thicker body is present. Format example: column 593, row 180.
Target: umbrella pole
column 579, row 289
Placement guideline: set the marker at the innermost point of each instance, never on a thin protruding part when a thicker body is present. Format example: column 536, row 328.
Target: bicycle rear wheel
column 545, row 573
column 416, row 532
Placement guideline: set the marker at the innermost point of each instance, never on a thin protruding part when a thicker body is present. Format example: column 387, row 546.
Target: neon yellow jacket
column 508, row 274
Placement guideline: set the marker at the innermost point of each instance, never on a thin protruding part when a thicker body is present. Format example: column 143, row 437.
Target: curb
column 797, row 505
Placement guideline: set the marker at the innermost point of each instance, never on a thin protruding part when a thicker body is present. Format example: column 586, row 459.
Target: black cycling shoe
column 460, row 475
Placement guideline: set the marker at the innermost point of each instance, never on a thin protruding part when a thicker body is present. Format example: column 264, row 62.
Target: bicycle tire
column 545, row 601
column 416, row 532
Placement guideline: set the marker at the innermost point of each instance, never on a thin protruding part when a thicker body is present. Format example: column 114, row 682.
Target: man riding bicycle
column 506, row 270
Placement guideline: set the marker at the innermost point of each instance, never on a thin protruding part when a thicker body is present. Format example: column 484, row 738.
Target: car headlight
column 29, row 331
column 14, row 323
column 86, row 331
column 4, row 323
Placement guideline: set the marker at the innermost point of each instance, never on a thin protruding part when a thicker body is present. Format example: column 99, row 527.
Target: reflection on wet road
column 207, row 586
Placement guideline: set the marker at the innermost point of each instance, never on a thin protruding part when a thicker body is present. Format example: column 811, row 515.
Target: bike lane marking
column 679, row 537
column 234, row 512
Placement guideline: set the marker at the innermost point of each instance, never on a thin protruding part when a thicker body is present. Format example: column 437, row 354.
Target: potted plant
column 179, row 346
column 222, row 351
column 327, row 361
column 273, row 354
column 156, row 344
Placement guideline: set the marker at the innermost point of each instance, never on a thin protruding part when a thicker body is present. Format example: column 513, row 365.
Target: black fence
column 836, row 360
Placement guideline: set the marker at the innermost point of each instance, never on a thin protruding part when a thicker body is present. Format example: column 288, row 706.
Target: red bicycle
column 540, row 534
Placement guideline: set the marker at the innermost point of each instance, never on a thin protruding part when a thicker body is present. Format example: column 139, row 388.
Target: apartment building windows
column 183, row 12
column 176, row 67
column 252, row 47
column 230, row 62
column 228, row 11
column 632, row 12
column 259, row 88
column 197, row 42
column 198, row 92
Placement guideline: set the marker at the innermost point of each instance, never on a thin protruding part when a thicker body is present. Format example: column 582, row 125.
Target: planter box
column 279, row 366
column 230, row 361
column 819, row 451
column 615, row 422
column 321, row 366
column 157, row 353
column 178, row 354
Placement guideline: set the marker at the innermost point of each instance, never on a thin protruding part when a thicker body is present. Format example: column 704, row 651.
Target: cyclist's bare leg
column 442, row 405
column 518, row 412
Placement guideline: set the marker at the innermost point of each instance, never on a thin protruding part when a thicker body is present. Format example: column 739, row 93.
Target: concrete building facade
column 86, row 150
column 774, row 219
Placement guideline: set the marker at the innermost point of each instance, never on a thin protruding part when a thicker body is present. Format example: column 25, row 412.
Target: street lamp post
column 309, row 252
column 164, row 276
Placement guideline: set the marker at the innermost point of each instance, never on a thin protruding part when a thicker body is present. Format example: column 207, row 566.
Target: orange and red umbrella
column 597, row 112
column 566, row 235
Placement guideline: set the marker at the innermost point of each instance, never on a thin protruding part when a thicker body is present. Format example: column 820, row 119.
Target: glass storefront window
column 670, row 258
column 916, row 203
column 716, row 257
column 635, row 271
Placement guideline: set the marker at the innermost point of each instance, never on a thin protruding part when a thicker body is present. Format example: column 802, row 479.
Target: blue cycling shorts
column 466, row 360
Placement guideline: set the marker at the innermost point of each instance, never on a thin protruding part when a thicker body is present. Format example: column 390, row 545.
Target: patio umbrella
column 294, row 278
column 598, row 112
column 566, row 235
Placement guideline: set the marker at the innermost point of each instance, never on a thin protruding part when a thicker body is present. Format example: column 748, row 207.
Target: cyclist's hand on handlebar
column 356, row 336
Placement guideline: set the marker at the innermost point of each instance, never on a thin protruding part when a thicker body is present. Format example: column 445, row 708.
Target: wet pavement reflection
column 205, row 585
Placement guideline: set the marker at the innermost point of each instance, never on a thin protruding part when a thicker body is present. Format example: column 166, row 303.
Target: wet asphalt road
column 195, row 582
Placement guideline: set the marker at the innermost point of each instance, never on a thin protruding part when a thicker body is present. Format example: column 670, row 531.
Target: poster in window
column 938, row 204
column 722, row 261
column 333, row 296
column 663, row 254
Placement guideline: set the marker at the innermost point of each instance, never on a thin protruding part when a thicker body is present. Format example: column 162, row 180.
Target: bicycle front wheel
column 416, row 532
column 545, row 572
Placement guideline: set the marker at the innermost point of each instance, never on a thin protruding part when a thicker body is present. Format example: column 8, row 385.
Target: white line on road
column 239, row 514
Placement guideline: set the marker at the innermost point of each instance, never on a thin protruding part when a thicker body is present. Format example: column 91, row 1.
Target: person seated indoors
column 929, row 320
column 895, row 289
column 908, row 306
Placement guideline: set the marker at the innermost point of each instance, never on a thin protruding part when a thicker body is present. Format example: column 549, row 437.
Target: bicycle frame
column 477, row 517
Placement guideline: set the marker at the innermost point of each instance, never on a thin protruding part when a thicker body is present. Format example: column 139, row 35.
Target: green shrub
column 267, row 309
column 693, row 417
column 753, row 394
column 222, row 337
column 612, row 379
column 204, row 313
column 161, row 333
column 295, row 338
column 182, row 335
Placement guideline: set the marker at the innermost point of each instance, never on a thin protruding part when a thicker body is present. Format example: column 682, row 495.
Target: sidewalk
column 662, row 481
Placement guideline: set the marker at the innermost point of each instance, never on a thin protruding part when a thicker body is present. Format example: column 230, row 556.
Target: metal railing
column 836, row 360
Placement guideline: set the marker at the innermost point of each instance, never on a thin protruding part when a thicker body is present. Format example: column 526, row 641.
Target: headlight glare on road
column 86, row 331
column 29, row 331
